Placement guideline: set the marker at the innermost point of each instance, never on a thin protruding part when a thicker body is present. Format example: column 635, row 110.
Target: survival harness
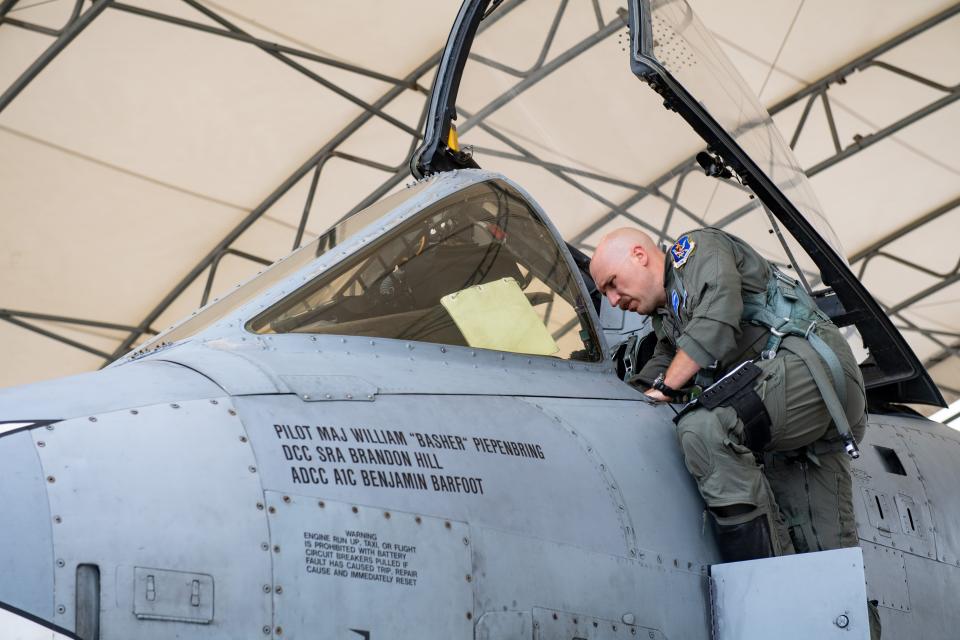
column 787, row 310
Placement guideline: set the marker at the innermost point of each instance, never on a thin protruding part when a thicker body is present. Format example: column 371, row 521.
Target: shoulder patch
column 682, row 250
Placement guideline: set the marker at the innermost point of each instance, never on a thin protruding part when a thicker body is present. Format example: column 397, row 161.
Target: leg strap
column 827, row 389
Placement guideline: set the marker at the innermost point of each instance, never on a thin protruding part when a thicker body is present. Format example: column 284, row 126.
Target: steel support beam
column 544, row 50
column 497, row 103
column 46, row 317
column 810, row 93
column 69, row 33
column 262, row 208
column 53, row 336
column 929, row 291
column 258, row 42
column 29, row 26
column 410, row 80
column 861, row 143
column 940, row 356
column 6, row 6
column 839, row 75
column 216, row 263
column 543, row 71
column 343, row 93
column 868, row 141
column 904, row 230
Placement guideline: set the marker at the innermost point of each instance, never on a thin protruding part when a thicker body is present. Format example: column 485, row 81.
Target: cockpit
column 477, row 269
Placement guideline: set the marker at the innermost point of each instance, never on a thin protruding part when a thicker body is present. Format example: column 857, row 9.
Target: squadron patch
column 675, row 300
column 681, row 251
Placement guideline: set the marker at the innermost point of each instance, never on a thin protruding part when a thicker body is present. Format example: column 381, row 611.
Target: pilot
column 769, row 444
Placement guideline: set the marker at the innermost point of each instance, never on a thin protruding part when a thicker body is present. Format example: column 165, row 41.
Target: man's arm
column 678, row 374
column 658, row 363
column 716, row 304
column 713, row 283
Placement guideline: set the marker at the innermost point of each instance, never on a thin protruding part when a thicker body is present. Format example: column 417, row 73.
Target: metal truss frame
column 209, row 263
column 818, row 91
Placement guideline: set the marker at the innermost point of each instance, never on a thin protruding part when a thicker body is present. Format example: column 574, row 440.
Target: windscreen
column 547, row 97
column 477, row 269
column 278, row 271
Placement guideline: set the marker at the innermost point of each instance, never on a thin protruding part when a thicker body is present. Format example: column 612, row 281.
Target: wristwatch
column 662, row 387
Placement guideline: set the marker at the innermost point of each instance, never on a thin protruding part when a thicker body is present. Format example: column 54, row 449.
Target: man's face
column 628, row 280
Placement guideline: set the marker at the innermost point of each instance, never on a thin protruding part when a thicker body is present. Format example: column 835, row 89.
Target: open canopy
column 672, row 52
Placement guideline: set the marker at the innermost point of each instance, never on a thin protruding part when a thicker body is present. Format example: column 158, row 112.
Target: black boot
column 745, row 541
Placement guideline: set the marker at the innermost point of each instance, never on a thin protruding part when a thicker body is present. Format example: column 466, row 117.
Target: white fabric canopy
column 145, row 142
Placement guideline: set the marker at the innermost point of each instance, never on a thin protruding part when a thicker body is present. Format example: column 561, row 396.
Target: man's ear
column 639, row 255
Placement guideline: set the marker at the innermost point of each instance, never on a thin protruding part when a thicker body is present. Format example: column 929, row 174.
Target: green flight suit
column 806, row 497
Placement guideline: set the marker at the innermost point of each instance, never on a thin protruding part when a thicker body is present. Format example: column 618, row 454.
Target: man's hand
column 657, row 396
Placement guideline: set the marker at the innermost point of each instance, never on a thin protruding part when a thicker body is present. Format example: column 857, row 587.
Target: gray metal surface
column 812, row 595
column 171, row 487
column 325, row 388
column 550, row 624
column 882, row 497
column 232, row 372
column 106, row 390
column 910, row 565
column 500, row 625
column 177, row 596
column 634, row 447
column 513, row 571
column 399, row 367
column 886, row 572
column 342, row 570
column 26, row 535
column 338, row 451
column 934, row 614
column 940, row 475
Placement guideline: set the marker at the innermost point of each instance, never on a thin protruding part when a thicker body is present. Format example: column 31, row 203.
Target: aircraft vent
column 890, row 460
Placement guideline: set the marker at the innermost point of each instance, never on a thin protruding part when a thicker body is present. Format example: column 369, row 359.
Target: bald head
column 620, row 242
column 628, row 269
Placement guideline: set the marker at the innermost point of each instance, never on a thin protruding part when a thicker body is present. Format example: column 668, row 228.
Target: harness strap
column 811, row 358
column 833, row 363
column 788, row 311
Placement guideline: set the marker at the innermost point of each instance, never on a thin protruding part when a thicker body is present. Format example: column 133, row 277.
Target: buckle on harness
column 850, row 446
column 776, row 330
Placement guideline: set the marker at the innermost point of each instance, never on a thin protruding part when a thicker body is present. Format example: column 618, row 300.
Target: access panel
column 350, row 571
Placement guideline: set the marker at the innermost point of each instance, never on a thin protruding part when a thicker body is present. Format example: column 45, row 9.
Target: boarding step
column 809, row 595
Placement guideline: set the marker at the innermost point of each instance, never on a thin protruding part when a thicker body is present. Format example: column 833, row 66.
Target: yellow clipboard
column 497, row 315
